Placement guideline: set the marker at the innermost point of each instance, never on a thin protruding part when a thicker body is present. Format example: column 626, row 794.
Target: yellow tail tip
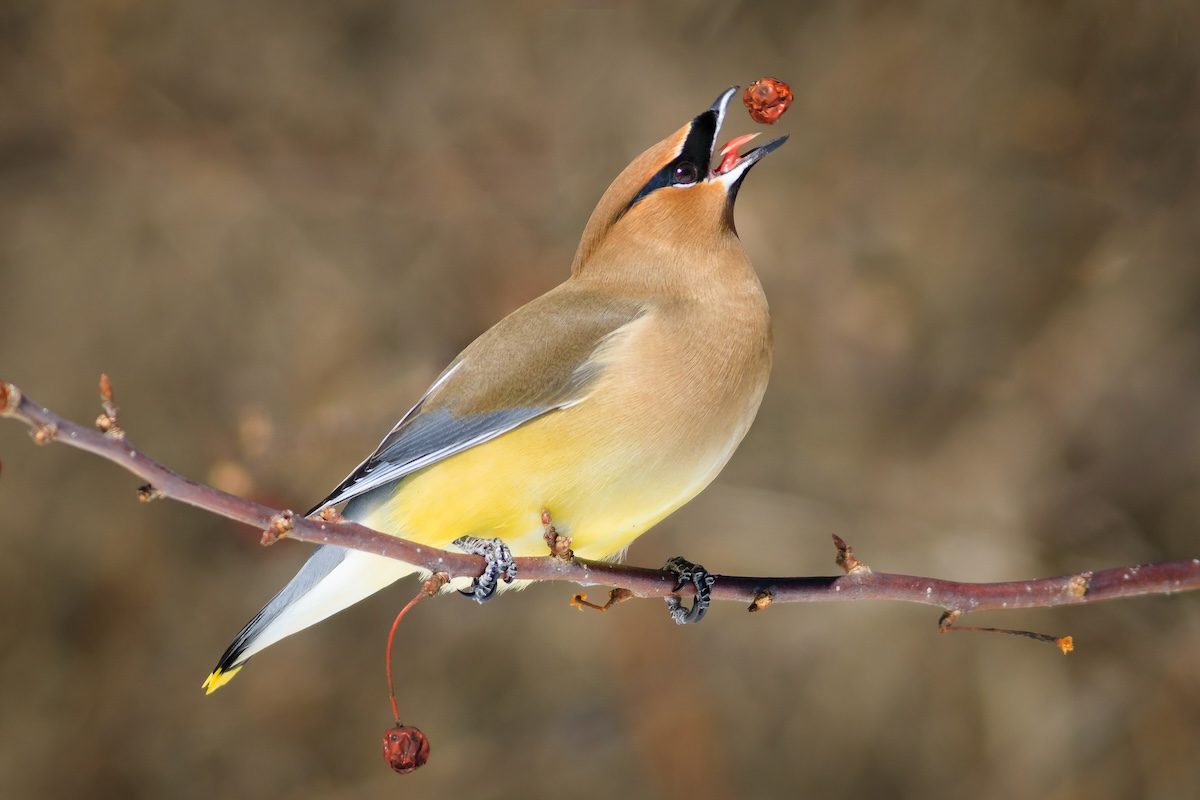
column 219, row 678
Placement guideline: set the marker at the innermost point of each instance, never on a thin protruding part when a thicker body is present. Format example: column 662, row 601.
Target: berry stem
column 388, row 660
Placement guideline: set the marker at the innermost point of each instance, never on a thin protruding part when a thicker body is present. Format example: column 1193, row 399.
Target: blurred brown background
column 273, row 223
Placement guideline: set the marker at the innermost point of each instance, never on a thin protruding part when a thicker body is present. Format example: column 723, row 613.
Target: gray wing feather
column 426, row 439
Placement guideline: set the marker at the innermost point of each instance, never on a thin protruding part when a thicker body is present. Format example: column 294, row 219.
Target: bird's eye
column 685, row 172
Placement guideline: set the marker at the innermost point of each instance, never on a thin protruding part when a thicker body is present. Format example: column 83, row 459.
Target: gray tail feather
column 320, row 564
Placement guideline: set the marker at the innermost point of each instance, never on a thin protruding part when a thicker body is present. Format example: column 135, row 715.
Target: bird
column 605, row 404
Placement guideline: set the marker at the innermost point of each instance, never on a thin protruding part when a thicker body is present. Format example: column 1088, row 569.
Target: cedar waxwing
column 609, row 401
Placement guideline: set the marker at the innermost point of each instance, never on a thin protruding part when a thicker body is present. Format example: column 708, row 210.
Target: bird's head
column 679, row 194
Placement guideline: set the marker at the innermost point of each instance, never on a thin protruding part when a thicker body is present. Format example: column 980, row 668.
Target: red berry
column 766, row 99
column 405, row 748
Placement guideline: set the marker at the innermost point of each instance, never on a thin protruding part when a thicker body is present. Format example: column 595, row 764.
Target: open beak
column 727, row 164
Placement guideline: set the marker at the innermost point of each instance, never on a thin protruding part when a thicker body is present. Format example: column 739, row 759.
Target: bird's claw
column 686, row 572
column 500, row 566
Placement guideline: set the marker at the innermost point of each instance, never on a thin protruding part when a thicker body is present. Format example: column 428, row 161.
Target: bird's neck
column 657, row 266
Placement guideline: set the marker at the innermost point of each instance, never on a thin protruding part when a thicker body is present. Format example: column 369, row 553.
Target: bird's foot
column 686, row 572
column 500, row 565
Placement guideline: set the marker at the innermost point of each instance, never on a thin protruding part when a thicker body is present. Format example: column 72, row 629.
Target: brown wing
column 534, row 361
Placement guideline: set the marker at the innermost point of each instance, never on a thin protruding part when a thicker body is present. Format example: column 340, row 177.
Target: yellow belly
column 602, row 490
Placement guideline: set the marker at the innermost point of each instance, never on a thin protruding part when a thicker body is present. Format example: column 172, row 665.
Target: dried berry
column 405, row 748
column 766, row 99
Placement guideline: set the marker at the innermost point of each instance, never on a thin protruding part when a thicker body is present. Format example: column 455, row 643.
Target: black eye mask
column 690, row 165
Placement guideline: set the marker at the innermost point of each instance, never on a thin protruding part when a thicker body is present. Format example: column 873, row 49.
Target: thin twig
column 859, row 584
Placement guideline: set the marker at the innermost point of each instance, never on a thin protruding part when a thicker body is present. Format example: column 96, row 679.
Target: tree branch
column 859, row 582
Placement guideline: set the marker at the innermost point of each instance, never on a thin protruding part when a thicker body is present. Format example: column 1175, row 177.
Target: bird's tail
column 332, row 579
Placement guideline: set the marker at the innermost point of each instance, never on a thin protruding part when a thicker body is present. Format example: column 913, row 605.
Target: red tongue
column 729, row 153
